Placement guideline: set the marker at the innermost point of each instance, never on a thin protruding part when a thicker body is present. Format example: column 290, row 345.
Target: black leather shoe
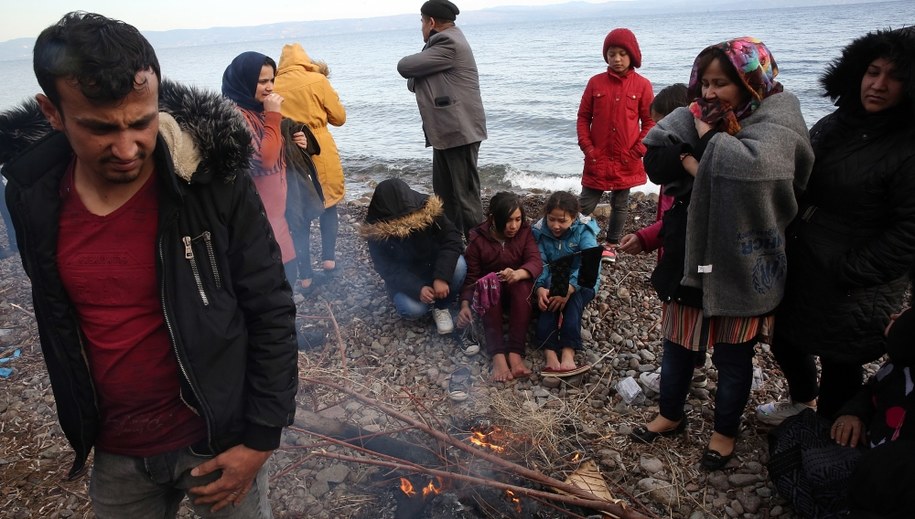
column 714, row 460
column 642, row 434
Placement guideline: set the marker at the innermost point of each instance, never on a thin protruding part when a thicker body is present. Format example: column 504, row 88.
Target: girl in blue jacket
column 562, row 231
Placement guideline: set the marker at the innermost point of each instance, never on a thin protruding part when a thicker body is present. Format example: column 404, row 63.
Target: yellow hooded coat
column 310, row 99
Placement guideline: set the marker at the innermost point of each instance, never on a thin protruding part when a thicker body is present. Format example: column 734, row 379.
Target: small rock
column 551, row 382
column 335, row 473
column 660, row 491
column 651, row 464
column 743, row 480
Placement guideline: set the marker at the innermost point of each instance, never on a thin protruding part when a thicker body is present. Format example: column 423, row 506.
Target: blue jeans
column 141, row 488
column 735, row 377
column 409, row 308
column 552, row 334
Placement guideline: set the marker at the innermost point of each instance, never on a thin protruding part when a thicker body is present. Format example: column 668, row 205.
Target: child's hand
column 510, row 276
column 464, row 317
column 543, row 298
column 300, row 139
column 630, row 244
column 557, row 303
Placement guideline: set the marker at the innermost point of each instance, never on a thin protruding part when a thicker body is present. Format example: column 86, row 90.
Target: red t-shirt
column 108, row 267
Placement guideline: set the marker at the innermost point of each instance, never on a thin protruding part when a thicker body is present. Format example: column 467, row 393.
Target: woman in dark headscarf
column 854, row 240
column 735, row 158
column 248, row 81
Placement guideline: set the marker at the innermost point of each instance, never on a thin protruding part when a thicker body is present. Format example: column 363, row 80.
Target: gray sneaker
column 443, row 320
column 774, row 413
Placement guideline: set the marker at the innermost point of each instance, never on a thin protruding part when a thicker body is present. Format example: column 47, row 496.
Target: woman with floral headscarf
column 733, row 160
column 248, row 81
column 854, row 239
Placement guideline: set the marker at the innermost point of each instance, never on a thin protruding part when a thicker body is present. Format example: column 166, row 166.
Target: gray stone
column 719, row 481
column 651, row 464
column 660, row 491
column 736, row 506
column 335, row 473
column 743, row 480
column 750, row 502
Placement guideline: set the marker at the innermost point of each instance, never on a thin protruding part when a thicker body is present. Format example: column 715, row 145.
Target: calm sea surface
column 532, row 76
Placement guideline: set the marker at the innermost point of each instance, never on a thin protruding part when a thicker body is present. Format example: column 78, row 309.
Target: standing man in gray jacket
column 447, row 86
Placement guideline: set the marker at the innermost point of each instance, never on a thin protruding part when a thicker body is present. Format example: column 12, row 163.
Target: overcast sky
column 26, row 18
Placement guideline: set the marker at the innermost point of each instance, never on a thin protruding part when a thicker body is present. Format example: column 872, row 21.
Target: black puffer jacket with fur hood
column 853, row 243
column 231, row 324
column 410, row 239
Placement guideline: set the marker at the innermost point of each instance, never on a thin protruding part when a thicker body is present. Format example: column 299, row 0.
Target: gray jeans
column 619, row 203
column 141, row 488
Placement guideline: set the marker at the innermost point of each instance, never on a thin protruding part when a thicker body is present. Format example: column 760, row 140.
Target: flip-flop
column 459, row 385
column 562, row 373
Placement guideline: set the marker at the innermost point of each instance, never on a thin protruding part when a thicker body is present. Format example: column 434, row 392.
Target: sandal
column 459, row 385
column 562, row 373
column 305, row 291
column 714, row 460
column 642, row 434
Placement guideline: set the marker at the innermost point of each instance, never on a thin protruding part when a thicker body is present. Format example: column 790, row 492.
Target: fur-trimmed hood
column 842, row 79
column 396, row 211
column 205, row 134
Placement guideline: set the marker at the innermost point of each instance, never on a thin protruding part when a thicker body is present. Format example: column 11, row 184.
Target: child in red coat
column 613, row 118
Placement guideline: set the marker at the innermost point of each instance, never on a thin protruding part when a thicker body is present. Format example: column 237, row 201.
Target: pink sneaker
column 608, row 256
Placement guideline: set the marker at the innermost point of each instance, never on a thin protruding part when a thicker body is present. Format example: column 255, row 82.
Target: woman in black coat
column 853, row 243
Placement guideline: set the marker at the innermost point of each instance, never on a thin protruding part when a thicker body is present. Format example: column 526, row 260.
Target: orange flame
column 514, row 499
column 406, row 487
column 482, row 439
column 576, row 457
column 432, row 489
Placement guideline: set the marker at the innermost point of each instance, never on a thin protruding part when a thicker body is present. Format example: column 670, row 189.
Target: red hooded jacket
column 613, row 118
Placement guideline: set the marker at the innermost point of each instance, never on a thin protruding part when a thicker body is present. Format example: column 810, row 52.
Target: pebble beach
column 552, row 424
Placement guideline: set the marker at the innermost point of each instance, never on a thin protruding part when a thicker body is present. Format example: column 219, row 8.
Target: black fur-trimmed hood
column 842, row 79
column 206, row 135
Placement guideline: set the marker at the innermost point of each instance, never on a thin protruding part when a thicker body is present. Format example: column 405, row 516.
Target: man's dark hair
column 100, row 55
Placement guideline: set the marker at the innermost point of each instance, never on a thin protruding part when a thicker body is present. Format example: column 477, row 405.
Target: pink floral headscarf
column 756, row 68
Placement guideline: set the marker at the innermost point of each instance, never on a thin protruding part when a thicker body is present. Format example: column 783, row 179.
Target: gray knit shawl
column 743, row 197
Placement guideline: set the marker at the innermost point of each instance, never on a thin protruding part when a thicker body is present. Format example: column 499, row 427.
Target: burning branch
column 577, row 496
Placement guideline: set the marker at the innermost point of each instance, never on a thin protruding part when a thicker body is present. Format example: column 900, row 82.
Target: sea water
column 532, row 75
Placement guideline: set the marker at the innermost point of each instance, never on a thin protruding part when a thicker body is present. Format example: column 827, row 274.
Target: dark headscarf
column 756, row 68
column 239, row 81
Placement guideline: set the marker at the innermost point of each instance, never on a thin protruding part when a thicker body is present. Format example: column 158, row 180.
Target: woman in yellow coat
column 310, row 99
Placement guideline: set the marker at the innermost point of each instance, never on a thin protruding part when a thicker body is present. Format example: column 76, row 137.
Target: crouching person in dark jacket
column 165, row 318
column 416, row 250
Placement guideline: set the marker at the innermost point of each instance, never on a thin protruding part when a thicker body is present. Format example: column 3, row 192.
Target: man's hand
column 441, row 288
column 427, row 295
column 630, row 244
column 239, row 466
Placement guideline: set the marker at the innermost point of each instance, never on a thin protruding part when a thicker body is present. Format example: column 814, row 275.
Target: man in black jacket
column 165, row 319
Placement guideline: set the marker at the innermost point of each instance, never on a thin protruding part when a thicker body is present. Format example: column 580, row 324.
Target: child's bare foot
column 329, row 264
column 500, row 370
column 568, row 359
column 551, row 360
column 519, row 369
